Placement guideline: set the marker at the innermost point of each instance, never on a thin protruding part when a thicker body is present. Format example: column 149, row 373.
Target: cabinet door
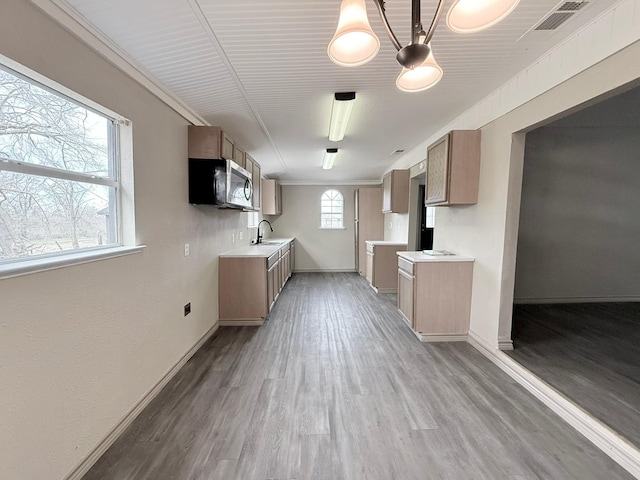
column 369, row 271
column 204, row 142
column 240, row 158
column 255, row 170
column 278, row 198
column 405, row 296
column 226, row 149
column 437, row 183
column 271, row 285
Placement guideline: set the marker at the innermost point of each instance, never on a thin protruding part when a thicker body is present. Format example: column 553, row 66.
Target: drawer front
column 405, row 265
column 369, row 248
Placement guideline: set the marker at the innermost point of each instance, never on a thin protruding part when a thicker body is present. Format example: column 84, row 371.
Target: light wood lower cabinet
column 382, row 261
column 435, row 298
column 248, row 286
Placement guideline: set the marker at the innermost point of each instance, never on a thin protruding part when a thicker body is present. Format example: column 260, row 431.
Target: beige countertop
column 386, row 242
column 263, row 250
column 423, row 257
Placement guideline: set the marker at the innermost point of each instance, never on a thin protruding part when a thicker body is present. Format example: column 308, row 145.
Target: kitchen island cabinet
column 250, row 280
column 434, row 295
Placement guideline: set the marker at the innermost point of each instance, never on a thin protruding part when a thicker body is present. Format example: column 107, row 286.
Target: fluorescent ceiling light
column 340, row 113
column 355, row 43
column 329, row 157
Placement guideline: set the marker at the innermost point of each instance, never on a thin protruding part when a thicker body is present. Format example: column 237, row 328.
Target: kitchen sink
column 268, row 243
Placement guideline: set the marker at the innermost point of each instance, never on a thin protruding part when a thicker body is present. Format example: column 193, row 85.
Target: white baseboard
column 86, row 463
column 603, row 437
column 441, row 338
column 241, row 323
column 325, row 270
column 610, row 299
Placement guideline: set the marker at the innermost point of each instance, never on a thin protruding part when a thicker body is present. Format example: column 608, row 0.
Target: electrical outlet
column 186, row 249
column 187, row 309
column 240, row 235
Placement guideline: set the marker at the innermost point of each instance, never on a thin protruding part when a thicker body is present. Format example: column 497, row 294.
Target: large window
column 59, row 179
column 331, row 209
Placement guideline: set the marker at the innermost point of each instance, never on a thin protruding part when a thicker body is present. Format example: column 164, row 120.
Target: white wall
column 580, row 215
column 79, row 346
column 316, row 249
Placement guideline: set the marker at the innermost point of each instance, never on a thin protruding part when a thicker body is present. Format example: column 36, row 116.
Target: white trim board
column 324, row 270
column 603, row 437
column 621, row 298
column 103, row 445
column 425, row 338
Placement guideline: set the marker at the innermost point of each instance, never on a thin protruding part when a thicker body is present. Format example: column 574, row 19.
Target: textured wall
column 79, row 346
column 316, row 249
column 579, row 216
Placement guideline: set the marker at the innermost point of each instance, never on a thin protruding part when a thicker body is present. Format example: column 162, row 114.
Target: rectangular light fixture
column 329, row 157
column 340, row 113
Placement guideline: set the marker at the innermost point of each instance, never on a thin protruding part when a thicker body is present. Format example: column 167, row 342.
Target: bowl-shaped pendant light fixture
column 354, row 42
column 420, row 78
column 469, row 16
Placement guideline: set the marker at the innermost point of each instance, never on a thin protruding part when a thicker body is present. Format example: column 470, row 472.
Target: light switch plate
column 186, row 249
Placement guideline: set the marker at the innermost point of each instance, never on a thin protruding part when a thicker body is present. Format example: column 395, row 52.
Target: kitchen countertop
column 422, row 257
column 258, row 251
column 386, row 242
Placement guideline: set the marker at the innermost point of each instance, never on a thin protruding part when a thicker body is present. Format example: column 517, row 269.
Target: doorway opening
column 576, row 313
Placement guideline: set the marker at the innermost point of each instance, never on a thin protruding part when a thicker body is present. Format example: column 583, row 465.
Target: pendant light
column 470, row 16
column 355, row 43
column 420, row 78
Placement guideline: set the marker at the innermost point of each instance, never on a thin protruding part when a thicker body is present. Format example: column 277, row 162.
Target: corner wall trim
column 603, row 437
column 103, row 445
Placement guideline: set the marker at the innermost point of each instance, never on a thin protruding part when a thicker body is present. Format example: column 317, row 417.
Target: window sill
column 25, row 267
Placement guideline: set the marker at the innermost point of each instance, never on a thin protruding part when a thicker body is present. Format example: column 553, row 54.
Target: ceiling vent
column 397, row 151
column 559, row 15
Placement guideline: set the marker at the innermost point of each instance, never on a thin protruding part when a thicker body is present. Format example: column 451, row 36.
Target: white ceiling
column 259, row 69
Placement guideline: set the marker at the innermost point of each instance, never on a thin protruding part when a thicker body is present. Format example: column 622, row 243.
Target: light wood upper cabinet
column 226, row 146
column 271, row 197
column 255, row 179
column 240, row 157
column 211, row 143
column 453, row 169
column 395, row 192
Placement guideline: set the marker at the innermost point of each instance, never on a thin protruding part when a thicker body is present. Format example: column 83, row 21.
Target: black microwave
column 219, row 182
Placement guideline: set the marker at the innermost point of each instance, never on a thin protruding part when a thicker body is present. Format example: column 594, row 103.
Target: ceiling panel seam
column 206, row 26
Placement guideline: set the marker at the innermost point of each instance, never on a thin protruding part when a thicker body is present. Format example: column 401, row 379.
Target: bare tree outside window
column 58, row 176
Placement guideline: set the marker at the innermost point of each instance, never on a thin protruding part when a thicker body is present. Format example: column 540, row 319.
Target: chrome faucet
column 259, row 239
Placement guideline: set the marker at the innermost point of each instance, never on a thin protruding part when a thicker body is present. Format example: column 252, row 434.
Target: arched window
column 331, row 209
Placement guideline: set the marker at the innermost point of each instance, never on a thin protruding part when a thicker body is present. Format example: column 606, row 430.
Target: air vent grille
column 554, row 20
column 397, row 151
column 571, row 6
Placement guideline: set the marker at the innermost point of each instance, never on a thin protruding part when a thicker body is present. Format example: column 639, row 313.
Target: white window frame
column 341, row 227
column 121, row 181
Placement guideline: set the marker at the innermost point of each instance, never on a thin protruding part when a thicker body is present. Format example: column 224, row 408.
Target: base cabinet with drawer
column 381, row 269
column 250, row 282
column 434, row 295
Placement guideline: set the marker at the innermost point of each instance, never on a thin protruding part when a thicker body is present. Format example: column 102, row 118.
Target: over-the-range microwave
column 219, row 182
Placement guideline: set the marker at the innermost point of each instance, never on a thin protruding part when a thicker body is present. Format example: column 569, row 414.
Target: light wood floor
column 335, row 386
column 590, row 352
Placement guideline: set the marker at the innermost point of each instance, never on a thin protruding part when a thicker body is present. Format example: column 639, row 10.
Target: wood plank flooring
column 335, row 386
column 590, row 352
